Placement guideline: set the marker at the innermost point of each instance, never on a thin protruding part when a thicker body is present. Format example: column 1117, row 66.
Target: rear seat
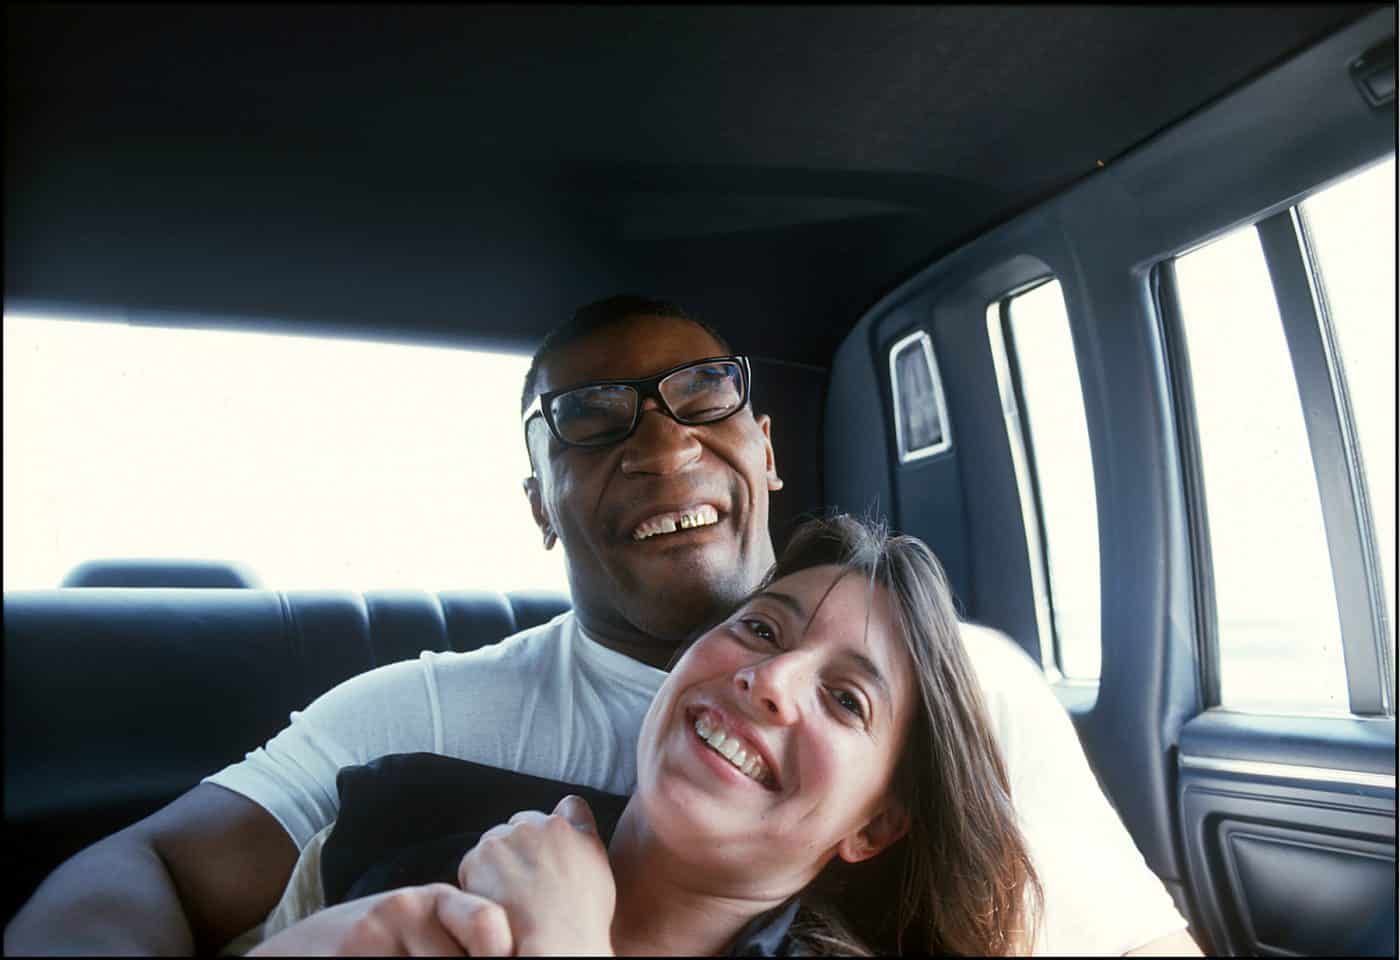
column 117, row 700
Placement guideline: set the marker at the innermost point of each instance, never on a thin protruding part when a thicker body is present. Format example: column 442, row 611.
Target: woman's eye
column 761, row 630
column 849, row 702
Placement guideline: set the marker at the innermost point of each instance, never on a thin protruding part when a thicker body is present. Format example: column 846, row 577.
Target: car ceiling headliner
column 470, row 174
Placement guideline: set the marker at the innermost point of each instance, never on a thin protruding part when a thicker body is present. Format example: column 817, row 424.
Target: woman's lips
column 729, row 748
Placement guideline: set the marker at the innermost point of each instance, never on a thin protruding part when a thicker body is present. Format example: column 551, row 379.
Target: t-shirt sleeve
column 388, row 710
column 1100, row 896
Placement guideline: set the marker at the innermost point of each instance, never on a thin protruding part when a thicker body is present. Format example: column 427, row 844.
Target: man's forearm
column 1179, row 944
column 116, row 897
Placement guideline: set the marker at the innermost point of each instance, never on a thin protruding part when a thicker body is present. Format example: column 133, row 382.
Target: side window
column 1276, row 613
column 1287, row 340
column 1043, row 403
column 1350, row 228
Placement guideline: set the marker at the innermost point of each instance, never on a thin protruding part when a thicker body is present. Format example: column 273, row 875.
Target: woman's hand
column 552, row 876
column 430, row 921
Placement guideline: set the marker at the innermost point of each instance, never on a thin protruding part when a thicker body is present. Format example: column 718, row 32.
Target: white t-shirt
column 551, row 702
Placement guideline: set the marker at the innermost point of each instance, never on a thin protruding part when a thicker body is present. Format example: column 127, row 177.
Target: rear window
column 316, row 463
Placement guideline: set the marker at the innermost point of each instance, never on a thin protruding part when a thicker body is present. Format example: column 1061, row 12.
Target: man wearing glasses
column 657, row 487
column 651, row 469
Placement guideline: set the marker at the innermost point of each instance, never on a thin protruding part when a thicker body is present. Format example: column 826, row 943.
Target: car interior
column 858, row 198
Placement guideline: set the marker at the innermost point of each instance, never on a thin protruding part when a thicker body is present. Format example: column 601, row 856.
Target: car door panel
column 1290, row 838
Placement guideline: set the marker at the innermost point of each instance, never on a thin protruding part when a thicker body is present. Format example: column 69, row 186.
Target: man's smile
column 669, row 521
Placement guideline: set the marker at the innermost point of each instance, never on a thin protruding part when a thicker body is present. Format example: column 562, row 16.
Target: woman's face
column 772, row 745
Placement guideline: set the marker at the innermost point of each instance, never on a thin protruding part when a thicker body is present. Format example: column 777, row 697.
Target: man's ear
column 531, row 486
column 765, row 423
column 878, row 835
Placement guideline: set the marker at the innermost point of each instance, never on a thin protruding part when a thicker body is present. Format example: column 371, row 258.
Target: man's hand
column 552, row 876
column 436, row 920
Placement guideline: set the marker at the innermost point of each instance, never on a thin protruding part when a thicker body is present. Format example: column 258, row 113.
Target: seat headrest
column 127, row 572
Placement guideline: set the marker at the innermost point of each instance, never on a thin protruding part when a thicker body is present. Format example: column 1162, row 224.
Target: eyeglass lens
column 603, row 413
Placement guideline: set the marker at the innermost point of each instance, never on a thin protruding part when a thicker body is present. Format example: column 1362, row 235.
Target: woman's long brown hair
column 961, row 880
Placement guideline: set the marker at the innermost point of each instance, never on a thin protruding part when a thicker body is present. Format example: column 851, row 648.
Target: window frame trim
column 1382, row 618
column 1327, row 422
column 1172, row 330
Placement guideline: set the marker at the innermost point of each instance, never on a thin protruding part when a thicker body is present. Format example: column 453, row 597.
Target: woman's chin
column 684, row 816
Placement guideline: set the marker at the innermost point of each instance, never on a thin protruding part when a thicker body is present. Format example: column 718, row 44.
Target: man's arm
column 188, row 878
column 1177, row 944
column 1100, row 895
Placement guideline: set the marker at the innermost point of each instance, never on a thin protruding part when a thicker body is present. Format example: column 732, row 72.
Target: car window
column 1044, row 406
column 1277, row 628
column 1261, row 411
column 316, row 463
column 1351, row 229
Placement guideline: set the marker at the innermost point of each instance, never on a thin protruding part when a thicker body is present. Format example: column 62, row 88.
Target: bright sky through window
column 317, row 463
column 1276, row 607
column 1064, row 467
column 1352, row 227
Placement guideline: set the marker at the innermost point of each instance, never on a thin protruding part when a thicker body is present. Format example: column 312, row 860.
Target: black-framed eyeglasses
column 607, row 411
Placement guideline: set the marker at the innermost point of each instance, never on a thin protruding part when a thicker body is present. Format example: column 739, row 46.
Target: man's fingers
column 430, row 939
column 476, row 923
column 576, row 810
column 525, row 815
column 401, row 923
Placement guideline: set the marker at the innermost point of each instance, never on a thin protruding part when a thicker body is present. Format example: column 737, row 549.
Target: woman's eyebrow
column 867, row 666
column 786, row 599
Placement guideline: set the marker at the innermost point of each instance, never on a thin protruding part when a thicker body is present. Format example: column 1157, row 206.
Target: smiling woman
column 802, row 753
column 317, row 463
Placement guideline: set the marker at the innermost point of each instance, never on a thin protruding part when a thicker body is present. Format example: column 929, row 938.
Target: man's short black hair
column 599, row 314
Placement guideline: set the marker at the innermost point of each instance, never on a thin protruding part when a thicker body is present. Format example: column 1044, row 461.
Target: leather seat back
column 119, row 700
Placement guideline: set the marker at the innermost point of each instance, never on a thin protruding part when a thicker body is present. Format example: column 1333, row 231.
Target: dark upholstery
column 533, row 606
column 398, row 812
column 119, row 700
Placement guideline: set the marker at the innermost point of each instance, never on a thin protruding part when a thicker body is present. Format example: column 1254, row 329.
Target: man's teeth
column 701, row 516
column 749, row 764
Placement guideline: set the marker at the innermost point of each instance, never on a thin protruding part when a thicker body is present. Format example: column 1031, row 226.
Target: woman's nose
column 771, row 687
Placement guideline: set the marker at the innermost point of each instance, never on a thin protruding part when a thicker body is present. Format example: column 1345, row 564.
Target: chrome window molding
column 1291, row 771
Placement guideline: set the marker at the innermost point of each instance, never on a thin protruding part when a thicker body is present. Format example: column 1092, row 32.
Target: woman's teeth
column 701, row 516
column 749, row 764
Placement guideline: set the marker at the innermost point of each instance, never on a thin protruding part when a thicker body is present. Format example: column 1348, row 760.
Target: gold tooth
column 686, row 521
